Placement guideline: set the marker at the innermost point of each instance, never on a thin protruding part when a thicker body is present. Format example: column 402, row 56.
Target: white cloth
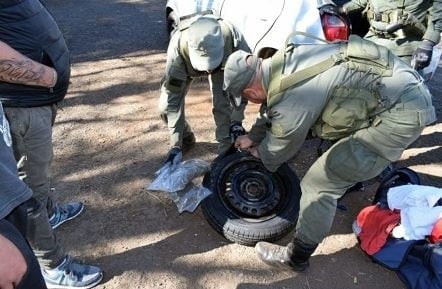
column 417, row 222
column 406, row 196
column 418, row 214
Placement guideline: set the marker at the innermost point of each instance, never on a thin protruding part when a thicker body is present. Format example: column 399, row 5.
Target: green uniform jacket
column 283, row 127
column 178, row 77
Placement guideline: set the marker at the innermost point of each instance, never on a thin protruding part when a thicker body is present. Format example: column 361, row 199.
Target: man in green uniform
column 371, row 103
column 197, row 50
column 409, row 28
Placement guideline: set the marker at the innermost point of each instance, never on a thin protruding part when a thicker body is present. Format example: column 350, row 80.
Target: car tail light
column 335, row 27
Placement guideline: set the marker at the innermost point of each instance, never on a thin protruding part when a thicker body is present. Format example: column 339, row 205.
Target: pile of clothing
column 403, row 232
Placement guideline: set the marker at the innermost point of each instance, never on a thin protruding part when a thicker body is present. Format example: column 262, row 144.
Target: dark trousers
column 13, row 227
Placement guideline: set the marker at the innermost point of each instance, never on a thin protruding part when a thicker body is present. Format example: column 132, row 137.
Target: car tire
column 248, row 203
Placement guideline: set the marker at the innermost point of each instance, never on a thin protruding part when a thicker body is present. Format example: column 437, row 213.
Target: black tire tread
column 239, row 230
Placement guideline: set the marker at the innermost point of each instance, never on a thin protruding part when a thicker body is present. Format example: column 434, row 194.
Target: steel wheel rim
column 249, row 191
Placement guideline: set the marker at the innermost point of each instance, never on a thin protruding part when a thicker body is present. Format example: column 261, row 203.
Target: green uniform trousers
column 359, row 157
column 173, row 114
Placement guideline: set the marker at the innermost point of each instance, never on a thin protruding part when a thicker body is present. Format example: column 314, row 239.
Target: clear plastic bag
column 177, row 181
column 189, row 198
column 173, row 178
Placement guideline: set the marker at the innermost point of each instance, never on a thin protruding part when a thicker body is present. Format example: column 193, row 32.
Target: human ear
column 252, row 95
column 249, row 93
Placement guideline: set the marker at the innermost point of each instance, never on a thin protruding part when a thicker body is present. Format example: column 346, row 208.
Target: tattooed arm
column 17, row 68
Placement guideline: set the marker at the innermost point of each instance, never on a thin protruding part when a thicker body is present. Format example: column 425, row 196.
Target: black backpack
column 397, row 177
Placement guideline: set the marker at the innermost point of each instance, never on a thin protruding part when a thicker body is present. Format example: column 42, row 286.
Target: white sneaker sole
column 95, row 283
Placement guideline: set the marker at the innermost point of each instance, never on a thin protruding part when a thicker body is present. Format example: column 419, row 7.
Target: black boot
column 188, row 142
column 294, row 256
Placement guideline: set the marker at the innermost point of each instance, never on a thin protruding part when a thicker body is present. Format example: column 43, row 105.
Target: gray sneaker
column 65, row 212
column 71, row 274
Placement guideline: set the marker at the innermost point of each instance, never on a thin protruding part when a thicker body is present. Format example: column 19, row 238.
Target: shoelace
column 278, row 252
column 281, row 251
column 74, row 274
column 62, row 211
column 71, row 276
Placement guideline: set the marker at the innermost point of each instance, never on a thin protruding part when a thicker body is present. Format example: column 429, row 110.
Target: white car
column 266, row 24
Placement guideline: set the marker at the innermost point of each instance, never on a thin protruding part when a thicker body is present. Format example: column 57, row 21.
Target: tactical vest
column 27, row 26
column 229, row 42
column 395, row 23
column 348, row 109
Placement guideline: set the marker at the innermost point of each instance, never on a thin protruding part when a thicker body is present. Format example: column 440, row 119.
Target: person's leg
column 59, row 269
column 41, row 236
column 31, row 131
column 9, row 228
column 180, row 131
column 359, row 157
column 340, row 167
column 238, row 114
column 222, row 112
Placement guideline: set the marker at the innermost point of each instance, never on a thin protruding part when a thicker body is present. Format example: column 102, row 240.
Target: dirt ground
column 109, row 141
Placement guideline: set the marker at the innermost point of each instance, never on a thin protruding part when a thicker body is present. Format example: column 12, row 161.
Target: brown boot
column 294, row 256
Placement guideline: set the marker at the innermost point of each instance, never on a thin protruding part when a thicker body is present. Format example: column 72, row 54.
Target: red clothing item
column 376, row 225
column 436, row 233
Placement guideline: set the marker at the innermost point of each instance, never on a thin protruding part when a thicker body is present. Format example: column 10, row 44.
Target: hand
column 12, row 271
column 422, row 55
column 243, row 142
column 174, row 156
column 254, row 152
column 236, row 130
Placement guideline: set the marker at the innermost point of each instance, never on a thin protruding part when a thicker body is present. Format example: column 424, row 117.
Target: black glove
column 236, row 130
column 174, row 156
column 331, row 9
column 422, row 55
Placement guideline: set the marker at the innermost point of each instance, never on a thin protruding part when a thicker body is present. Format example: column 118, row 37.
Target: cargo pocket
column 176, row 86
column 351, row 161
column 348, row 110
